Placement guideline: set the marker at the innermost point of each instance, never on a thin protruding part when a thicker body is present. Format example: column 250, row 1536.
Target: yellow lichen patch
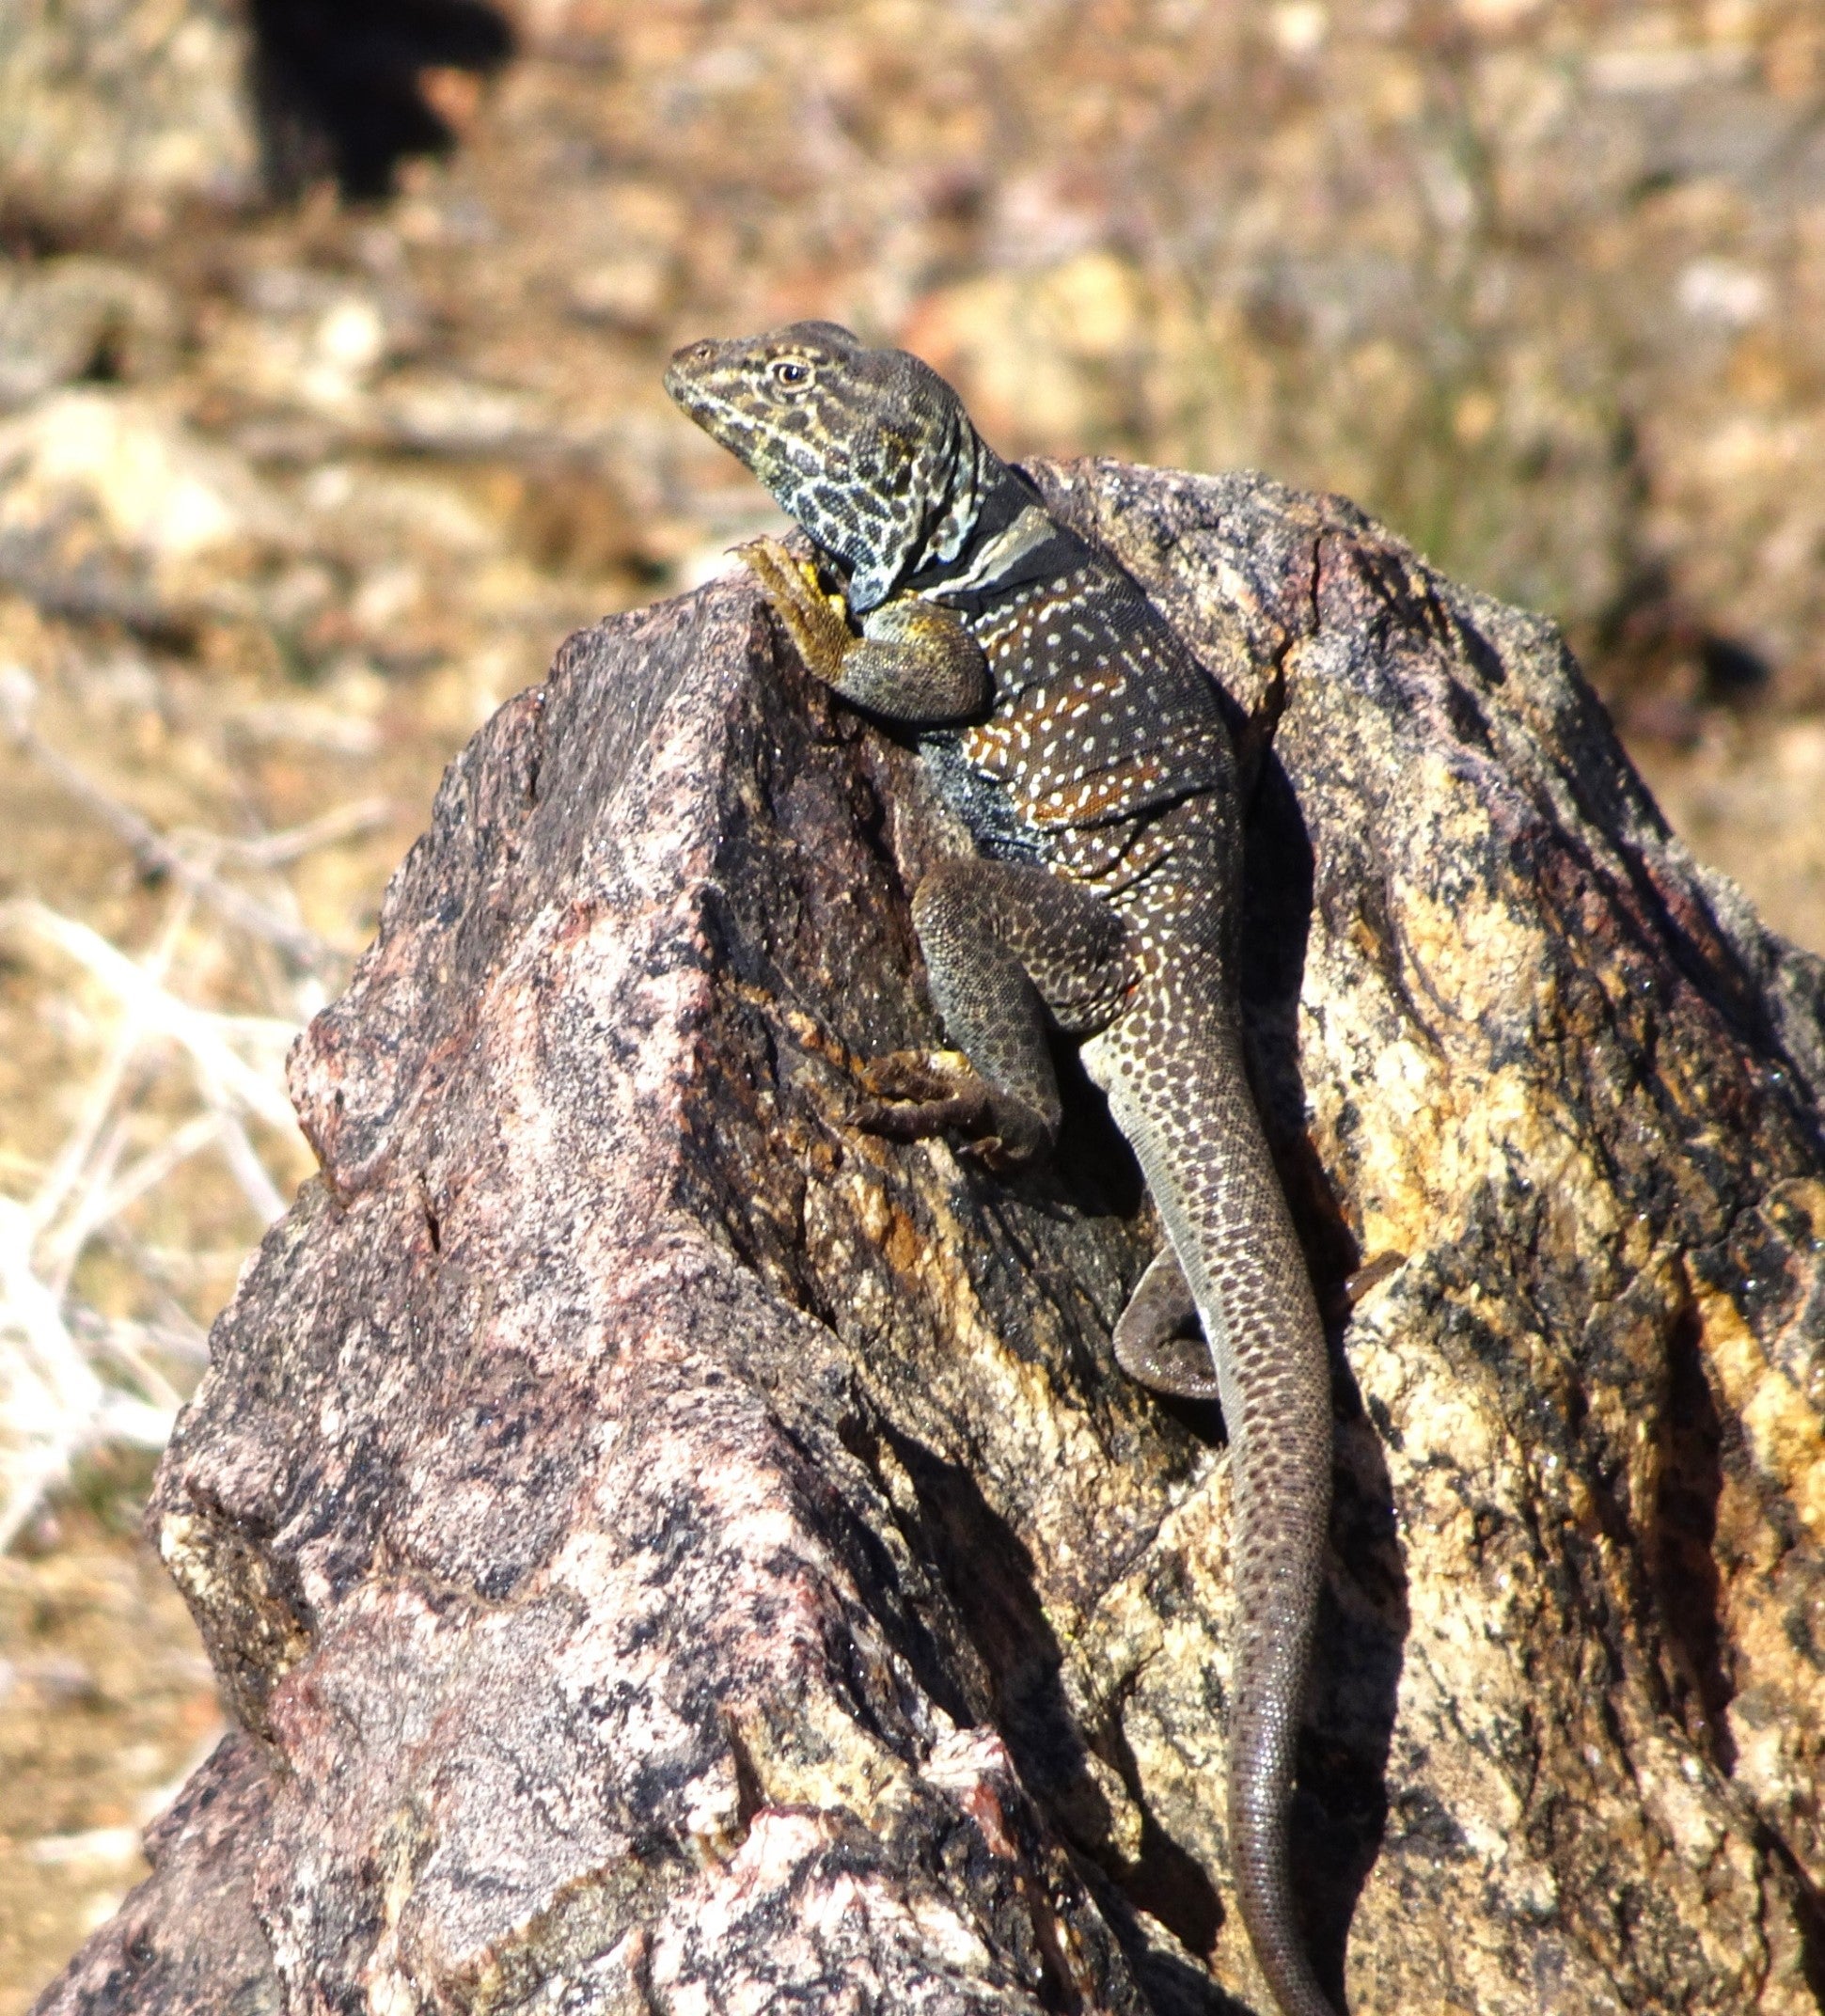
column 1785, row 1430
column 1474, row 956
column 1469, row 956
column 817, row 1755
column 388, row 1977
column 1396, row 1162
column 1433, row 1138
column 252, row 1630
column 1432, row 1128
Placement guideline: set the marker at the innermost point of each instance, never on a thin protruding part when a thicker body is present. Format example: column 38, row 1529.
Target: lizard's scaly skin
column 1082, row 745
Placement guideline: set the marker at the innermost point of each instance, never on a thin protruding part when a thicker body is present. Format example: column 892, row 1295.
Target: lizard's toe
column 920, row 1119
column 999, row 1158
column 921, row 1075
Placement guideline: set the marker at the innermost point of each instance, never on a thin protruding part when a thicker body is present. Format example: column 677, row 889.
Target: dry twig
column 158, row 855
column 55, row 1402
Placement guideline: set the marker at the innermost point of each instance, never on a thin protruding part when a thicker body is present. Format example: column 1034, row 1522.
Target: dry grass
column 153, row 971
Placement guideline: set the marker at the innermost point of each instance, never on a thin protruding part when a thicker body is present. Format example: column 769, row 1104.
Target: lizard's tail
column 1192, row 1122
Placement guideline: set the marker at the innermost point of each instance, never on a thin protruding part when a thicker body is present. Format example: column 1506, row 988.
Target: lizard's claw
column 922, row 1093
column 812, row 618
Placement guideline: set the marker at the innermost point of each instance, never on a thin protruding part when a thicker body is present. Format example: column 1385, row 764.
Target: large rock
column 119, row 112
column 676, row 1552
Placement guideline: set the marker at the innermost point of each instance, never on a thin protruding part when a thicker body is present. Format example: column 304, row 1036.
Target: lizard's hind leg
column 1009, row 948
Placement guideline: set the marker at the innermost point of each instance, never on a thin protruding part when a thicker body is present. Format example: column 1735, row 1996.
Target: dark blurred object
column 340, row 85
column 1664, row 667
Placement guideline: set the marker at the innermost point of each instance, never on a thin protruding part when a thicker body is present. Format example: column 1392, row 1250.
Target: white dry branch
column 213, row 1042
column 72, row 1377
column 54, row 1404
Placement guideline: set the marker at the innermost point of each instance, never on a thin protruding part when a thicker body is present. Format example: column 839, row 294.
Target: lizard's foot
column 918, row 1094
column 814, row 620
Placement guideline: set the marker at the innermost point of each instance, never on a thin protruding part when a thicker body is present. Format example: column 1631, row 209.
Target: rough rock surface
column 678, row 1554
column 187, row 1938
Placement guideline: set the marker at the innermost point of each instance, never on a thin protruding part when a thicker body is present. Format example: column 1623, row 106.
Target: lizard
column 1081, row 743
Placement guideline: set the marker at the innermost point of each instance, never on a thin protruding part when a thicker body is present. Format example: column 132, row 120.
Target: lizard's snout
column 685, row 374
column 687, row 361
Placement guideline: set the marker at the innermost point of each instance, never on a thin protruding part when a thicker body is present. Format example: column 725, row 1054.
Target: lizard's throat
column 936, row 507
column 991, row 538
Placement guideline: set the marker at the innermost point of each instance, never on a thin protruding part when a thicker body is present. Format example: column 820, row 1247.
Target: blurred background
column 330, row 334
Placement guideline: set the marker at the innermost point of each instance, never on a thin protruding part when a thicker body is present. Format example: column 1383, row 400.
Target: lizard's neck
column 1004, row 495
column 1013, row 541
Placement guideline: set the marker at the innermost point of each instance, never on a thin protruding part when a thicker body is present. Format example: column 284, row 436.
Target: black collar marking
column 1057, row 554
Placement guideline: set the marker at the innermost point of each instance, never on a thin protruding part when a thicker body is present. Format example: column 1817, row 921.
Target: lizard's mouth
column 678, row 381
column 706, row 395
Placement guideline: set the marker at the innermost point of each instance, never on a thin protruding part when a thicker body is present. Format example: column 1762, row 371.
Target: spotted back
column 869, row 450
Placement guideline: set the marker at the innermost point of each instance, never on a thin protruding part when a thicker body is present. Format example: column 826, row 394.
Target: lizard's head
column 869, row 450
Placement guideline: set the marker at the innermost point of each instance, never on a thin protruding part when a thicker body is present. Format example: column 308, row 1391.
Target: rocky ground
column 291, row 498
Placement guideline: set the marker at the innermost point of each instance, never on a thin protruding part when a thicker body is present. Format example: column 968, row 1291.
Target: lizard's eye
column 789, row 371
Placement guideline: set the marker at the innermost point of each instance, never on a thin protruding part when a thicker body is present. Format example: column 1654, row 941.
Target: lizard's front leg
column 1007, row 947
column 915, row 661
